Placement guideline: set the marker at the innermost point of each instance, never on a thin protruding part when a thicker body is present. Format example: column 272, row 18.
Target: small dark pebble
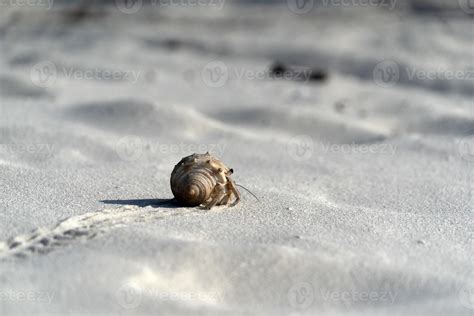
column 280, row 70
column 318, row 75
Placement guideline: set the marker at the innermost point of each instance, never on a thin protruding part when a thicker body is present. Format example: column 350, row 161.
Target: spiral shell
column 202, row 179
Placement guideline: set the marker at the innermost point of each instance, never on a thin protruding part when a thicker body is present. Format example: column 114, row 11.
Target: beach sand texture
column 364, row 179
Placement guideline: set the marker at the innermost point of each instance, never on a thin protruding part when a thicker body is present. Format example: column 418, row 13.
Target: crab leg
column 217, row 195
column 234, row 190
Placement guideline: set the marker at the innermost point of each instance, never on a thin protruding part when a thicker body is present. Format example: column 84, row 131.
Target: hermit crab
column 201, row 179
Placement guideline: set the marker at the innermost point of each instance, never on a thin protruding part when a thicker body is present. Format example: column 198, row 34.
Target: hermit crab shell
column 195, row 177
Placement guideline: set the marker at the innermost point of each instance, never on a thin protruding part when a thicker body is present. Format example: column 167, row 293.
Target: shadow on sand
column 166, row 203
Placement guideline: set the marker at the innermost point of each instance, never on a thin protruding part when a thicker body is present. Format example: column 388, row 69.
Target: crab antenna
column 239, row 185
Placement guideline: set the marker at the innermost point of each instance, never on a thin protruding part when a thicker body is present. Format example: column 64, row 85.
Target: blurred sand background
column 364, row 175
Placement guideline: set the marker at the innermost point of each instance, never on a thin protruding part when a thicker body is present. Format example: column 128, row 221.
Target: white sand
column 373, row 217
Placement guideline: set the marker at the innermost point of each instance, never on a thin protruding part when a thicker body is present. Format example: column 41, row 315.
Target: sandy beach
column 360, row 151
